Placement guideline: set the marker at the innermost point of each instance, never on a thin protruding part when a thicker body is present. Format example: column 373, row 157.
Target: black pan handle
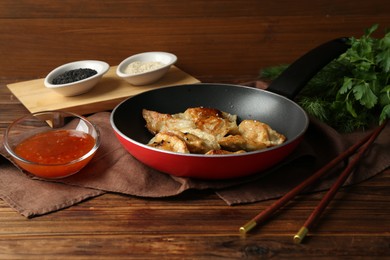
column 295, row 77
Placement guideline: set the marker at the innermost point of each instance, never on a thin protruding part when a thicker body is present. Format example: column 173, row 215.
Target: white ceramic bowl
column 151, row 76
column 77, row 87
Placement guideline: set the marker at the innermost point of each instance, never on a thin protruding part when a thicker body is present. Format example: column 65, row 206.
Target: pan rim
column 145, row 146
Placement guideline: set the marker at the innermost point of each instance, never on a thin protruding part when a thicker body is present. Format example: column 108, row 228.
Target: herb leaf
column 364, row 94
column 385, row 114
column 352, row 91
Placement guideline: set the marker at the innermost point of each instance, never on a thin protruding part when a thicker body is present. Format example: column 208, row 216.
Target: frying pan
column 273, row 106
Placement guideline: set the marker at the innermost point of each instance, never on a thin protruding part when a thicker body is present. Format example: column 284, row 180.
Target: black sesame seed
column 73, row 75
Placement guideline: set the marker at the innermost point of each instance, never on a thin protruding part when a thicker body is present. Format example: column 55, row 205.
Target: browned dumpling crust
column 208, row 131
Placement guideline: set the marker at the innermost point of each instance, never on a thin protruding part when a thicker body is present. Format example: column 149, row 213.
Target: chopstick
column 333, row 190
column 264, row 215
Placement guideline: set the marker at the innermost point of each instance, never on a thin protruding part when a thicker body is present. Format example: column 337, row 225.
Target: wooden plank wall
column 215, row 40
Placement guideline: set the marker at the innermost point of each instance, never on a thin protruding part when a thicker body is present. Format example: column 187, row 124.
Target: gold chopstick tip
column 300, row 235
column 248, row 226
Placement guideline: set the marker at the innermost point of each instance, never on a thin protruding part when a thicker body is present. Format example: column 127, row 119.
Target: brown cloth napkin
column 113, row 169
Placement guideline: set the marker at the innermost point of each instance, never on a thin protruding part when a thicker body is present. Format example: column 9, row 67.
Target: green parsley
column 353, row 91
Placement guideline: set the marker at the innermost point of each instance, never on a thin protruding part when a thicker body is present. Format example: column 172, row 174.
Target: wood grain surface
column 215, row 41
column 105, row 96
column 218, row 40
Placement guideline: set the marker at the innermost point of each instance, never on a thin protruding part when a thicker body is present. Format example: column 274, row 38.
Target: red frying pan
column 273, row 106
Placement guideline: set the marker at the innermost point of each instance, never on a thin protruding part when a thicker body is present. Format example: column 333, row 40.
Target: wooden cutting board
column 108, row 93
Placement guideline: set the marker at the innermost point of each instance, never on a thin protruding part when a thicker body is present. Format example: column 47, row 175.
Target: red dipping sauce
column 55, row 153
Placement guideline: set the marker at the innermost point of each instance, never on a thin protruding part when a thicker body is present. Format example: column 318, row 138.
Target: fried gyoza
column 212, row 121
column 208, row 131
column 253, row 135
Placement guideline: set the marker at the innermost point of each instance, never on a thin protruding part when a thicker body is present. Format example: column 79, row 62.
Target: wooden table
column 196, row 224
column 216, row 41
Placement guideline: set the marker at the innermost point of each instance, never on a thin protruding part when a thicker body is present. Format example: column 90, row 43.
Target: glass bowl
column 52, row 144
